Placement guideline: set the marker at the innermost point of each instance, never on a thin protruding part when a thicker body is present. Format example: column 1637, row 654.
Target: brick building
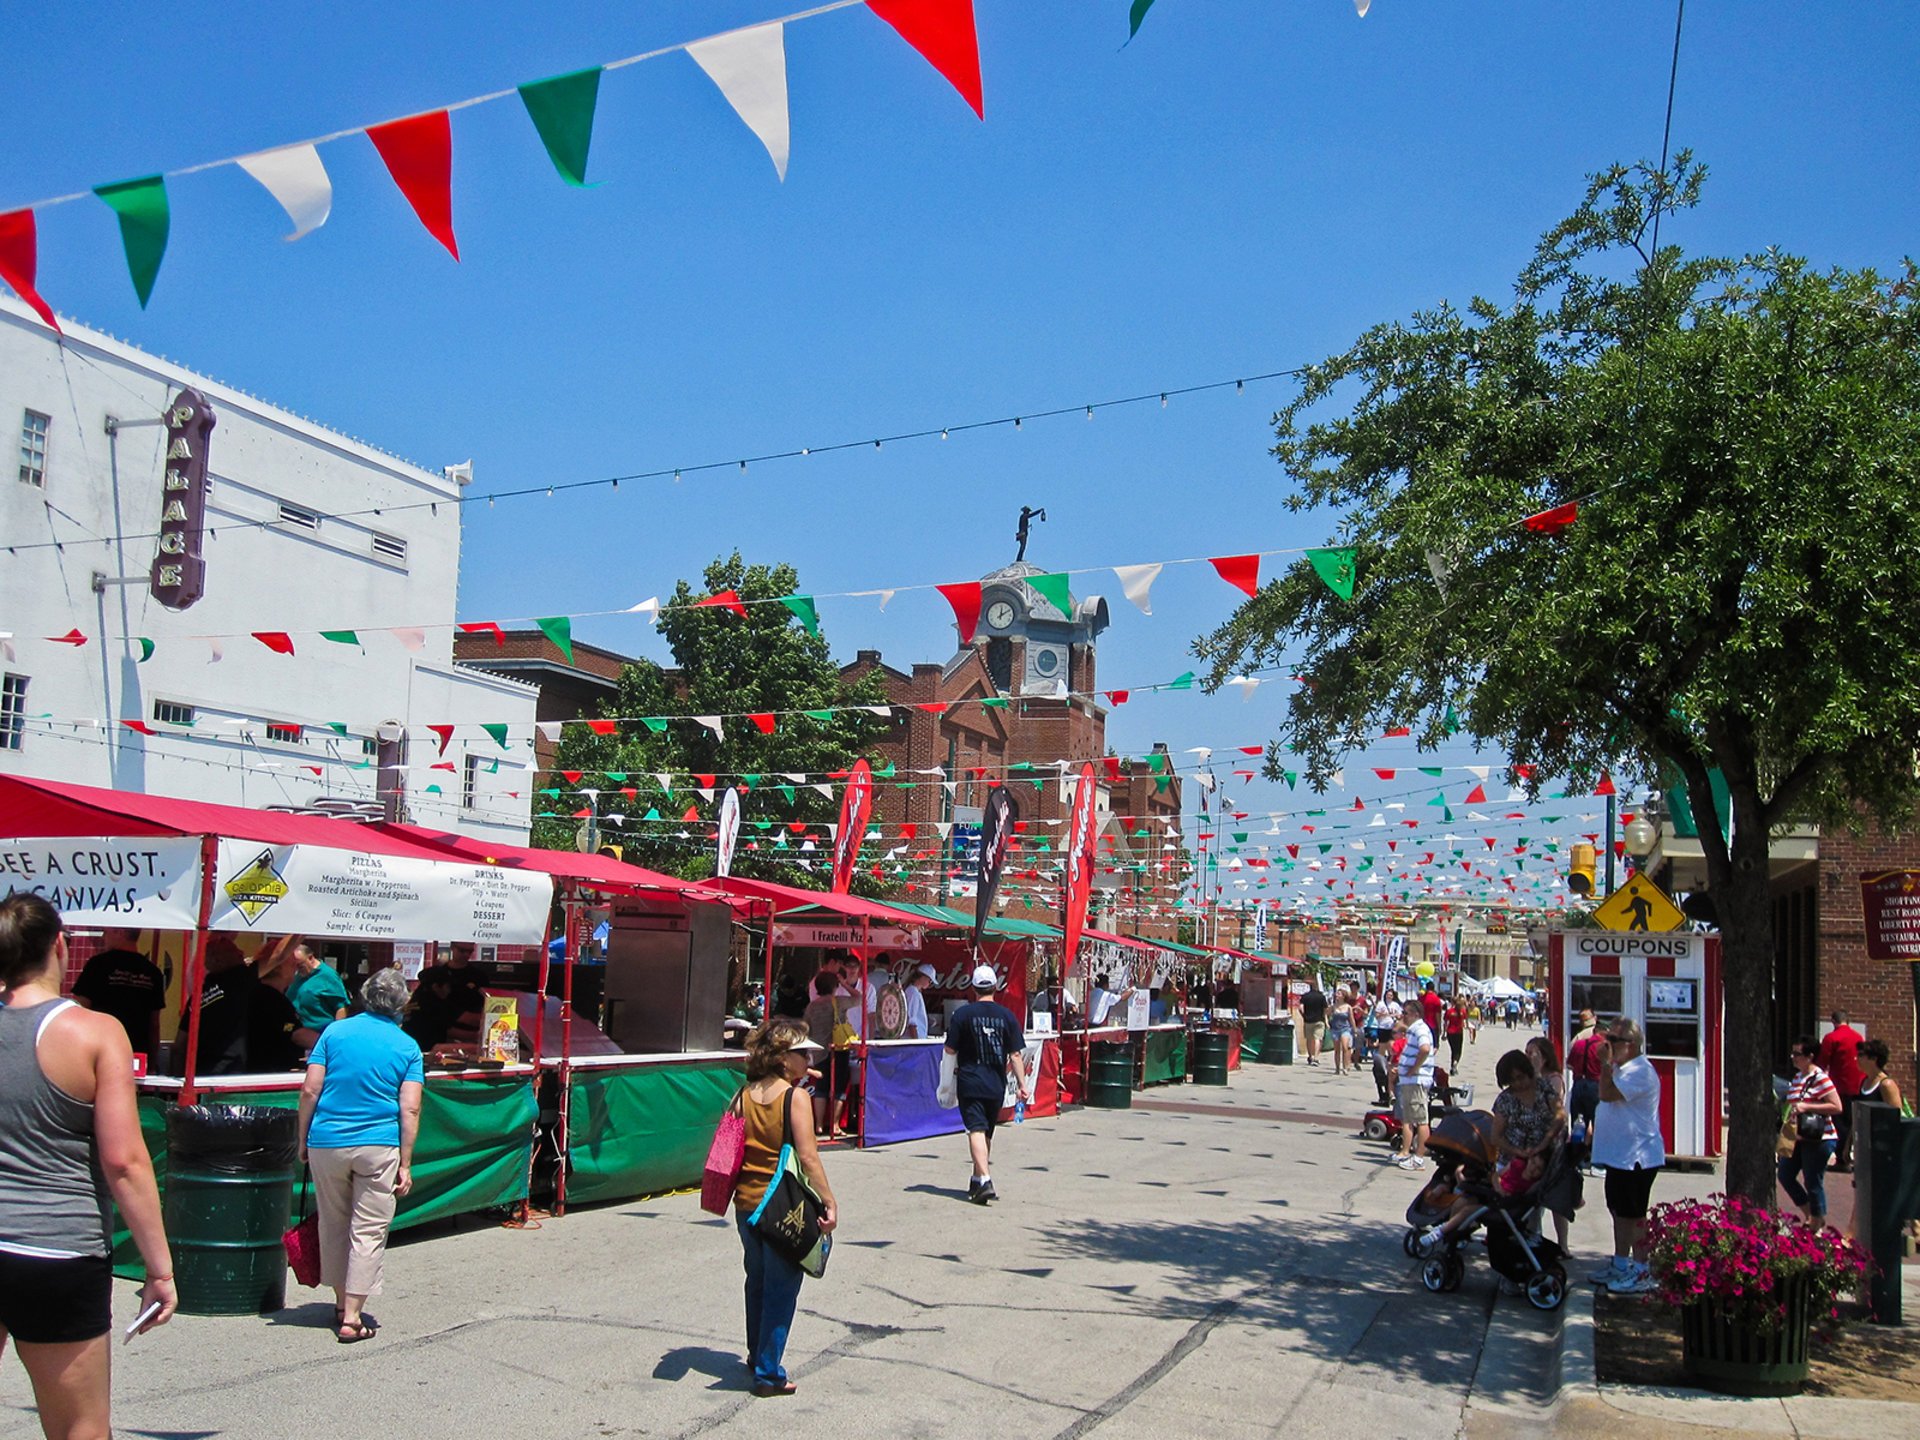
column 1011, row 705
column 567, row 691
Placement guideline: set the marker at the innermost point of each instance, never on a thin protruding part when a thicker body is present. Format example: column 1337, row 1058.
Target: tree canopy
column 729, row 665
column 1654, row 514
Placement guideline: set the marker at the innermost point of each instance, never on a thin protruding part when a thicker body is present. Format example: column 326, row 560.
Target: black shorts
column 979, row 1116
column 55, row 1302
column 1628, row 1192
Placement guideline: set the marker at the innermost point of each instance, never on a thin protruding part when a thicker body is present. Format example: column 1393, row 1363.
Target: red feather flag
column 856, row 804
column 965, row 600
column 1240, row 571
column 418, row 152
column 943, row 32
column 1079, row 864
column 20, row 261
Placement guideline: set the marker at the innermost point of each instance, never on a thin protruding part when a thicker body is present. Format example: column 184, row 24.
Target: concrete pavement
column 1200, row 1267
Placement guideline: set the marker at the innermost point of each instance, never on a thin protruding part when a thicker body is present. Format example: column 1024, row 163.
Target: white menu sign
column 136, row 881
column 315, row 890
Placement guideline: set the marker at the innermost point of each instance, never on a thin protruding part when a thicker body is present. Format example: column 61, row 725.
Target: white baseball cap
column 985, row 977
column 923, row 968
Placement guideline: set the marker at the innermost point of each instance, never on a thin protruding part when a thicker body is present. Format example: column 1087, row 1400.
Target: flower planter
column 1733, row 1356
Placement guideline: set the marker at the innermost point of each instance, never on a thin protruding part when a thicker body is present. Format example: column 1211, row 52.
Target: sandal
column 764, row 1391
column 354, row 1334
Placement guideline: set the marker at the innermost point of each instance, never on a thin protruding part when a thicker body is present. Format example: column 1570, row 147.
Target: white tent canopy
column 1501, row 988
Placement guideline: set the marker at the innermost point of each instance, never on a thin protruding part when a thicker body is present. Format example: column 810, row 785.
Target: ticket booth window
column 1673, row 1019
column 1601, row 994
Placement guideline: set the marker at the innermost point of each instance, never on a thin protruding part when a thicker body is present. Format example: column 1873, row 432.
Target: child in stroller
column 1466, row 1192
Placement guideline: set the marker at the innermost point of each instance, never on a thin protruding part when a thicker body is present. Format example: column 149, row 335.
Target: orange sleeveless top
column 766, row 1132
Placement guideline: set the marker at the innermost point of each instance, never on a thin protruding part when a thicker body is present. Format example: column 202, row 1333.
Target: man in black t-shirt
column 1313, row 1020
column 985, row 1039
column 123, row 983
column 246, row 1026
column 448, row 1003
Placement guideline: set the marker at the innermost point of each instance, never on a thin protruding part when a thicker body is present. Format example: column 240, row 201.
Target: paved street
column 1195, row 1266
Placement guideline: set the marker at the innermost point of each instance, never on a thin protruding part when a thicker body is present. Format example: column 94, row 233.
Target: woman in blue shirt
column 359, row 1115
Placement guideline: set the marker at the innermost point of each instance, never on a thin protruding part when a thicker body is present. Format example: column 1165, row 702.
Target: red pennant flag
column 418, row 152
column 726, row 600
column 72, row 637
column 1357, row 804
column 933, row 707
column 277, row 641
column 582, row 814
column 1113, row 768
column 693, row 813
column 965, row 600
column 765, row 720
column 1395, row 732
column 441, row 765
column 909, row 831
column 1552, row 522
column 445, row 732
column 1117, row 698
column 942, row 31
column 572, row 777
column 1605, row 787
column 484, row 627
column 1240, row 571
column 19, row 261
column 630, row 792
column 604, row 727
column 138, row 726
column 1476, row 796
column 706, row 781
column 1384, row 774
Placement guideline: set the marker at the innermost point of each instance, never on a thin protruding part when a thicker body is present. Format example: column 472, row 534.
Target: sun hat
column 805, row 1045
column 985, row 977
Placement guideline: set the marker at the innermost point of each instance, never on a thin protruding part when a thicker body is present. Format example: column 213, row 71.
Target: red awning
column 788, row 898
column 602, row 872
column 34, row 809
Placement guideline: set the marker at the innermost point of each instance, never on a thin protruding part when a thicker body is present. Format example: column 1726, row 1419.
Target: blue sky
column 1243, row 188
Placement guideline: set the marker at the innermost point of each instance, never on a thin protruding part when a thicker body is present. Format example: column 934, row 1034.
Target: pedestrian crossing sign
column 1639, row 906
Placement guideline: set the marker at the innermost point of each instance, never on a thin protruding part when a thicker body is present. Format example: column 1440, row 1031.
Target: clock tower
column 1031, row 646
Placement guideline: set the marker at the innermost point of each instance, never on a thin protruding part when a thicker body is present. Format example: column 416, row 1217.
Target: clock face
column 1000, row 615
column 1046, row 661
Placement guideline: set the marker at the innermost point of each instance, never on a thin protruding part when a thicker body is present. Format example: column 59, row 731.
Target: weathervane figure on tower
column 1027, row 516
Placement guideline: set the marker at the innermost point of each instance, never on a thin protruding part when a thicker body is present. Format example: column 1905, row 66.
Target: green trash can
column 1210, row 1048
column 1277, row 1047
column 230, row 1173
column 1110, row 1075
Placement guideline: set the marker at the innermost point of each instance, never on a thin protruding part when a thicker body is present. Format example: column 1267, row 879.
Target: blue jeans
column 1810, row 1158
column 773, row 1290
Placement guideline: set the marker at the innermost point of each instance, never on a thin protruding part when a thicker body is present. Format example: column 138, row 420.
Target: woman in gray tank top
column 69, row 1140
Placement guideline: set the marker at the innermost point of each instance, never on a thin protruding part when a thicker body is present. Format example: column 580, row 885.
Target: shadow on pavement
column 720, row 1365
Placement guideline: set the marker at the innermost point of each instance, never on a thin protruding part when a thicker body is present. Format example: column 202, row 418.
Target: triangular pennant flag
column 138, row 726
column 1605, row 787
column 410, row 636
column 338, row 727
column 604, row 727
column 277, row 641
column 144, row 221
column 1136, row 583
column 650, row 607
column 20, row 261
column 214, row 653
column 965, row 600
column 445, row 734
column 559, row 629
column 656, row 723
column 298, row 181
column 750, row 67
column 942, row 31
column 1335, row 567
column 1552, row 522
column 549, row 730
column 561, row 109
column 712, row 722
column 483, row 627
column 1240, row 571
column 803, row 611
column 1476, row 796
column 498, row 732
column 726, row 600
column 146, row 649
column 418, row 152
column 341, row 637
column 1135, row 16
column 1184, row 682
column 1054, row 589
column 764, row 720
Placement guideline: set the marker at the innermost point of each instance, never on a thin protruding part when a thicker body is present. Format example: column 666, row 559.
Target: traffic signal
column 1580, row 868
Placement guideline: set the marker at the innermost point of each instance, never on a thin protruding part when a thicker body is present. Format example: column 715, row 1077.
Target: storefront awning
column 788, row 898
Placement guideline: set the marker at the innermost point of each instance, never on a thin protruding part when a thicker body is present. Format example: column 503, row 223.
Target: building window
column 169, row 712
column 297, row 516
column 369, row 746
column 470, row 783
column 33, row 448
column 284, row 734
column 390, row 547
column 13, row 711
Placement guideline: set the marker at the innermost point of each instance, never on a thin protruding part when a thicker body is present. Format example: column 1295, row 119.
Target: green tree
column 724, row 665
column 1741, row 438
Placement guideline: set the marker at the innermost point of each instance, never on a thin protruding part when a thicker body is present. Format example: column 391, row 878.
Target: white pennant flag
column 650, row 607
column 6, row 647
column 712, row 722
column 1247, row 685
column 666, row 780
column 826, row 790
column 1437, row 566
column 296, row 178
column 410, row 636
column 1135, row 583
column 885, row 595
column 550, row 729
column 750, row 67
column 1479, row 772
column 883, row 712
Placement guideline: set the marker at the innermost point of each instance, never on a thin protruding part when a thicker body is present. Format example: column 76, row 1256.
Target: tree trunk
column 1747, row 954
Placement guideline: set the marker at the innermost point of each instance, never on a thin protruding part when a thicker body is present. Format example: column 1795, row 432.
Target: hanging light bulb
column 1017, row 423
column 1089, row 412
column 943, row 432
column 1239, row 387
column 1163, row 400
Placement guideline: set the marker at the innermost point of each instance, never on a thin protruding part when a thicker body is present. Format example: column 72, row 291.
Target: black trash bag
column 233, row 1139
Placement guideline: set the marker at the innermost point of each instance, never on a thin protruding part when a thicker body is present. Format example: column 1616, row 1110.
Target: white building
column 304, row 531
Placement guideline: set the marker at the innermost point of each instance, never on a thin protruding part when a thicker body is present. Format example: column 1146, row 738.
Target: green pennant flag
column 144, row 219
column 1019, row 765
column 341, row 637
column 1451, row 722
column 885, row 774
column 146, row 650
column 803, row 611
column 1038, row 786
column 1434, row 770
column 1438, row 800
column 561, row 109
column 998, row 703
column 825, row 717
column 1335, row 567
column 750, row 780
column 786, row 793
column 338, row 727
column 618, row 777
column 1185, row 682
column 1054, row 588
column 559, row 629
column 1290, row 776
column 656, row 723
column 653, row 813
column 1135, row 16
column 435, row 790
column 551, row 790
column 1241, row 836
column 1325, row 848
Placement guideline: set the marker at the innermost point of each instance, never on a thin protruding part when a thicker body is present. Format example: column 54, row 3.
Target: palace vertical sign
column 179, row 576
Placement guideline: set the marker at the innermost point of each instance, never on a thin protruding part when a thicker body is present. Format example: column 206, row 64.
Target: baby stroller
column 1466, row 1167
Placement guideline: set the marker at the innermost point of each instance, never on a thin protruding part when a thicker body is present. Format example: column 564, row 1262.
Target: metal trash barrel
column 230, row 1172
column 1277, row 1048
column 1210, row 1050
column 1110, row 1075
